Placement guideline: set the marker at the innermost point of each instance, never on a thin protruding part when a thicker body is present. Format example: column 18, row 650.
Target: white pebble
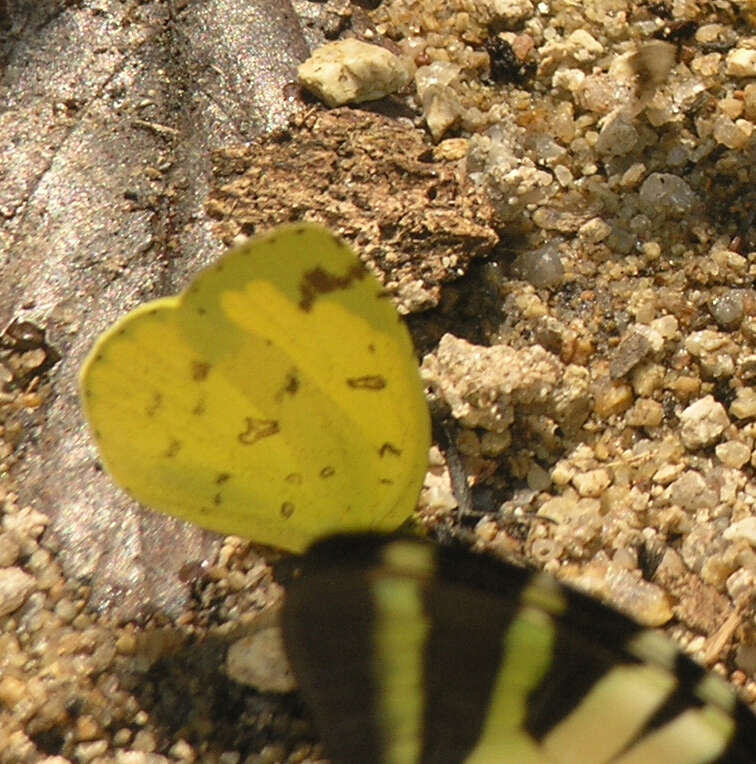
column 733, row 453
column 741, row 62
column 351, row 71
column 744, row 405
column 702, row 422
column 744, row 529
column 592, row 483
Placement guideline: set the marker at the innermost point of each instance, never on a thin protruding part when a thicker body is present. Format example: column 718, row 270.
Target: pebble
column 486, row 386
column 85, row 752
column 592, row 483
column 633, row 175
column 140, row 757
column 667, row 473
column 633, row 348
column 744, row 405
column 665, row 193
column 745, row 658
column 351, row 71
column 144, row 741
column 646, row 378
column 540, row 267
column 733, row 453
column 122, row 737
column 586, row 46
column 441, row 108
column 728, row 310
column 618, row 135
column 644, row 601
column 560, row 509
column 87, row 728
column 691, row 492
column 612, row 397
column 734, row 134
column 12, row 691
column 507, row 13
column 182, row 750
column 741, row 62
column 594, row 230
column 744, row 529
column 259, row 660
column 703, row 422
column 10, row 550
column 749, row 101
column 15, row 587
column 645, row 412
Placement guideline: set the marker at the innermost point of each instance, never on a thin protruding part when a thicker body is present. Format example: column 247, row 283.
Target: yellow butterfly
column 278, row 398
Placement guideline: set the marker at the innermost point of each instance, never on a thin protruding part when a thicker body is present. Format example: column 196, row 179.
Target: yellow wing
column 278, row 398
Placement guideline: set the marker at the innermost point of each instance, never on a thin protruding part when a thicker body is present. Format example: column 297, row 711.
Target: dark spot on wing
column 154, row 405
column 368, row 382
column 257, row 429
column 389, row 448
column 319, row 281
column 291, row 385
column 173, row 449
column 200, row 370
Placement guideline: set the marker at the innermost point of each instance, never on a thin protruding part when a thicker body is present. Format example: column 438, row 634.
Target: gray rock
column 665, row 193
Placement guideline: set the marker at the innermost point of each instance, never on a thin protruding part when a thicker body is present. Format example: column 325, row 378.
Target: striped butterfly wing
column 408, row 652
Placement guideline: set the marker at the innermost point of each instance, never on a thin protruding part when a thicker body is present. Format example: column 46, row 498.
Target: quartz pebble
column 744, row 405
column 728, row 310
column 741, row 62
column 734, row 134
column 594, row 230
column 541, row 267
column 591, row 483
column 733, row 453
column 666, row 193
column 743, row 529
column 690, row 492
column 441, row 108
column 351, row 71
column 702, row 422
column 618, row 135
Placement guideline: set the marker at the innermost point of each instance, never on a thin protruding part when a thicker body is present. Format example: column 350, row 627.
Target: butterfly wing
column 406, row 652
column 278, row 398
